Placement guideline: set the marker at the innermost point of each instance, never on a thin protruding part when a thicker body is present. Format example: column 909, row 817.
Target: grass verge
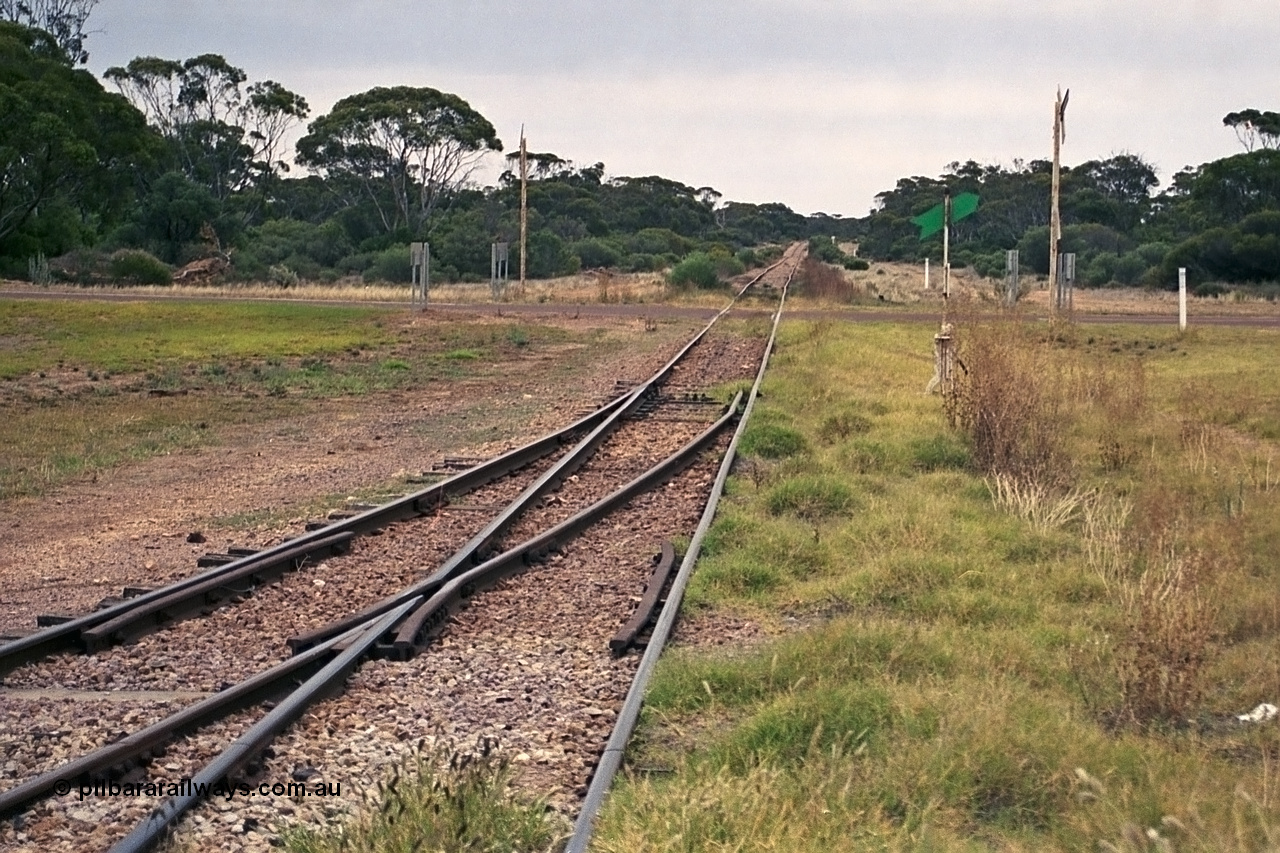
column 973, row 648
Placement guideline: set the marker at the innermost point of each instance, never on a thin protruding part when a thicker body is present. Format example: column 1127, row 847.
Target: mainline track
column 421, row 610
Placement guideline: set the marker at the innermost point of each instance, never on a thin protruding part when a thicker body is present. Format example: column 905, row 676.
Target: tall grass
column 1009, row 401
column 1170, row 620
column 1035, row 503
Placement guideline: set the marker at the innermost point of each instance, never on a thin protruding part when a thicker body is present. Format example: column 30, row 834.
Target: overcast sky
column 814, row 103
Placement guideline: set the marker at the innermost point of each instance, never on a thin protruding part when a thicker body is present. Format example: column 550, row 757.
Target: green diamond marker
column 930, row 222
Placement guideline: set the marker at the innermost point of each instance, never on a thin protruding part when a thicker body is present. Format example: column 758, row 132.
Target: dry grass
column 1161, row 658
column 616, row 288
column 1104, row 539
column 601, row 287
column 1036, row 504
column 1010, row 399
column 344, row 290
column 900, row 284
column 826, row 283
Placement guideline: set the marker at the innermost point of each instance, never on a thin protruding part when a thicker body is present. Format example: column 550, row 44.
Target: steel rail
column 207, row 594
column 282, row 678
column 433, row 613
column 249, row 745
column 138, row 747
column 471, row 553
column 69, row 635
column 625, row 724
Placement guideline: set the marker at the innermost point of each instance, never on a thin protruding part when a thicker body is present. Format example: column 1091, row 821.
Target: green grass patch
column 810, row 496
column 90, row 385
column 772, row 441
column 136, row 336
column 47, row 444
column 949, row 676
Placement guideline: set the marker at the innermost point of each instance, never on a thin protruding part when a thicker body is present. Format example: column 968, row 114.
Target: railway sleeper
column 211, row 559
column 128, row 758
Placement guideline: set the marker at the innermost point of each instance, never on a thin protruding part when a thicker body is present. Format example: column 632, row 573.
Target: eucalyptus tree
column 1254, row 128
column 406, row 150
column 68, row 148
column 226, row 135
column 64, row 20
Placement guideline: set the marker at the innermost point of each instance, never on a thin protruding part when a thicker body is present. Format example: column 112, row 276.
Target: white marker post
column 946, row 244
column 926, row 273
column 1182, row 299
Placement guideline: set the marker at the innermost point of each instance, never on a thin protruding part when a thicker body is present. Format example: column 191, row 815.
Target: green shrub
column 658, row 241
column 641, row 263
column 810, row 496
column 139, row 267
column 856, row 264
column 727, row 265
column 356, row 263
column 391, row 264
column 771, row 441
column 698, row 269
column 822, row 249
column 596, row 253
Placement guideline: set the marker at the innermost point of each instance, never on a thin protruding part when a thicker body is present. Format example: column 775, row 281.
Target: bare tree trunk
column 1055, row 220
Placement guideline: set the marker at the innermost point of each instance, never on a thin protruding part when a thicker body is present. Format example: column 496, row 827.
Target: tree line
column 1220, row 220
column 167, row 161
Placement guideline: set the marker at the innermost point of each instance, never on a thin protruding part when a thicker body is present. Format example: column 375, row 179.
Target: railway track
column 527, row 662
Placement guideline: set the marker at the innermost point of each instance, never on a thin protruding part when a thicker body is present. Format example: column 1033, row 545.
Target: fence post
column 1182, row 299
column 944, row 360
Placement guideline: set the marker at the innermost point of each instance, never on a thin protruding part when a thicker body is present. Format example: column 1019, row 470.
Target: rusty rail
column 431, row 616
column 69, row 636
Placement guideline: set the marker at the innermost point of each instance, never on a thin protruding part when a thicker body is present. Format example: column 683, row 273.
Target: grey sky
column 814, row 103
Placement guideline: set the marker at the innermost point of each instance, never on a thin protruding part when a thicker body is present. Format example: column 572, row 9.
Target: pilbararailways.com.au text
column 205, row 790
